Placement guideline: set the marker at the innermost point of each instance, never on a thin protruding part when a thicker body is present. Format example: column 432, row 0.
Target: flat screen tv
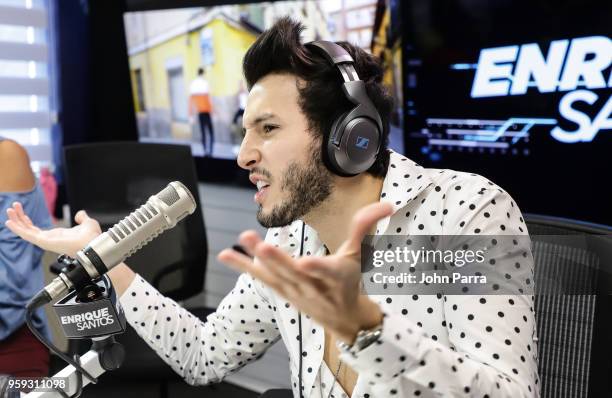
column 518, row 91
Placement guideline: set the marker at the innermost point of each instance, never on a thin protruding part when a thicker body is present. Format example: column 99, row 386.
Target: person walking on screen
column 242, row 100
column 199, row 102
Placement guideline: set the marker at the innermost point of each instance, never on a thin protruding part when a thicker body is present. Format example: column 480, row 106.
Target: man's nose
column 249, row 154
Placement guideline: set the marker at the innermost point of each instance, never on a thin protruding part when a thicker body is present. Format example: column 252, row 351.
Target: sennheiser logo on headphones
column 362, row 142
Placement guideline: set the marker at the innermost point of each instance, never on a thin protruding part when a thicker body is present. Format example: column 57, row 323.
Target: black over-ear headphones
column 352, row 144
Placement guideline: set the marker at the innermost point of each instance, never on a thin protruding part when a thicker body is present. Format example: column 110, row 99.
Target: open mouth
column 262, row 185
column 262, row 188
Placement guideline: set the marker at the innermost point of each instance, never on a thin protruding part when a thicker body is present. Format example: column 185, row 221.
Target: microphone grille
column 169, row 195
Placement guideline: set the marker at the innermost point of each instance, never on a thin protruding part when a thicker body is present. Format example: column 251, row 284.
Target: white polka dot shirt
column 431, row 345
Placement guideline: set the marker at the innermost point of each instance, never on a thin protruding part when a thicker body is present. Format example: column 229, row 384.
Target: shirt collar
column 404, row 181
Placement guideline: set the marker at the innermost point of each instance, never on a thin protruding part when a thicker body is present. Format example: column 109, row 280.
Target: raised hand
column 326, row 288
column 59, row 240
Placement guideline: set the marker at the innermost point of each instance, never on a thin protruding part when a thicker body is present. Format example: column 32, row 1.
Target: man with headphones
column 316, row 129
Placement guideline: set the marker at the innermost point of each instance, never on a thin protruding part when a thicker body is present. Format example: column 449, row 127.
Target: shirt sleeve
column 492, row 349
column 240, row 331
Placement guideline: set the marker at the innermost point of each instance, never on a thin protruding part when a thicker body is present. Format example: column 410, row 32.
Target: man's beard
column 307, row 186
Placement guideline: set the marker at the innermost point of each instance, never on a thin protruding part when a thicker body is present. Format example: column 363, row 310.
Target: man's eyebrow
column 262, row 118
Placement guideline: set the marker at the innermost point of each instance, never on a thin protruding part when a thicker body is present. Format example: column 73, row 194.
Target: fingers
column 272, row 265
column 20, row 221
column 280, row 263
column 12, row 216
column 248, row 240
column 233, row 257
column 21, row 214
column 244, row 263
column 20, row 229
column 17, row 214
column 80, row 217
column 365, row 219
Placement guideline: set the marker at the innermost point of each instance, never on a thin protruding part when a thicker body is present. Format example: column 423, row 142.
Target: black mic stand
column 91, row 311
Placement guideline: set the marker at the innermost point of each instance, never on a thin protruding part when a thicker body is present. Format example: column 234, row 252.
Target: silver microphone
column 159, row 213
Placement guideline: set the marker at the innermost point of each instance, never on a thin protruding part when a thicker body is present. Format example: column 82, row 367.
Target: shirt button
column 319, row 347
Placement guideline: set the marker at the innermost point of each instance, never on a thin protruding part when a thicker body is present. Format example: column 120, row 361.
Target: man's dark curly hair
column 280, row 50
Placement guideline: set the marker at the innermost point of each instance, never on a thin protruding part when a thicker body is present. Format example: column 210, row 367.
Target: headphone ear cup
column 352, row 145
column 330, row 149
column 360, row 145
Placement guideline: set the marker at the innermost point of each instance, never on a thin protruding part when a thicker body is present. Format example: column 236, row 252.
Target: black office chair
column 573, row 264
column 110, row 180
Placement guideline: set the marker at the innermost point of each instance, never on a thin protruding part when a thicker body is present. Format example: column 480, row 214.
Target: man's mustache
column 261, row 171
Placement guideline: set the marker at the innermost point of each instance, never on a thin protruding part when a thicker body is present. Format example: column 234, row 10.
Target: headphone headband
column 334, row 53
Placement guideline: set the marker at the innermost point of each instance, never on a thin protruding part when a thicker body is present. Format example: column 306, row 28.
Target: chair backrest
column 110, row 180
column 571, row 275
